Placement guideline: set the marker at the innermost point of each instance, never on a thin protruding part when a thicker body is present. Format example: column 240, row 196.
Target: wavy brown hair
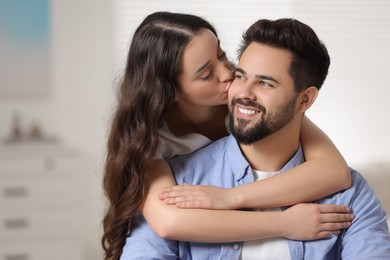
column 146, row 93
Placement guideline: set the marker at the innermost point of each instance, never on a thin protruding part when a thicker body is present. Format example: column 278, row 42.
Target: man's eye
column 265, row 84
column 239, row 76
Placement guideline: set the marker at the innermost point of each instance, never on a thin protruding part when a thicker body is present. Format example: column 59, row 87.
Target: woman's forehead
column 200, row 50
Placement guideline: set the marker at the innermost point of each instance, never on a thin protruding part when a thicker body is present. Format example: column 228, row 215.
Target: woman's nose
column 226, row 72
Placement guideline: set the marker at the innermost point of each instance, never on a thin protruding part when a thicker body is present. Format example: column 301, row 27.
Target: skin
column 257, row 62
column 200, row 108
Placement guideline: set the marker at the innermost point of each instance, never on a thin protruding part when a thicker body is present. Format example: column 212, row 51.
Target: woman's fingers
column 331, row 208
column 336, row 217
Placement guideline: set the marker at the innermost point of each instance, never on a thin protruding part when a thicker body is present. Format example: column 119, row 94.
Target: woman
column 172, row 101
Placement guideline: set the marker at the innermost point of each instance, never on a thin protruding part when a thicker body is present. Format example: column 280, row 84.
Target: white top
column 269, row 248
column 171, row 145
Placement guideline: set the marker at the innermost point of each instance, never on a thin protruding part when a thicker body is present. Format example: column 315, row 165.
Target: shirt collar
column 240, row 165
column 237, row 161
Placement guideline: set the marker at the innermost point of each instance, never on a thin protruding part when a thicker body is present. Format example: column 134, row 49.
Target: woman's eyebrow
column 202, row 67
column 207, row 63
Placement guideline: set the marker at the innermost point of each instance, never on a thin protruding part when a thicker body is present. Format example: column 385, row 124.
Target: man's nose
column 244, row 90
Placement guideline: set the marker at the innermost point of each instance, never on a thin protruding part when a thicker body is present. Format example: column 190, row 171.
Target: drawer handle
column 16, row 257
column 15, row 192
column 17, row 223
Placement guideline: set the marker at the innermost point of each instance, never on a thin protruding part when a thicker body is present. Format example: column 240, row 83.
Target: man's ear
column 307, row 98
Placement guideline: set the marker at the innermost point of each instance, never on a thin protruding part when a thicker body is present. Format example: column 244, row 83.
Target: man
column 282, row 66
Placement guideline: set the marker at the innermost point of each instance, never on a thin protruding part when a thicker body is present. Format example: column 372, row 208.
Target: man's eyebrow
column 267, row 78
column 237, row 69
column 259, row 76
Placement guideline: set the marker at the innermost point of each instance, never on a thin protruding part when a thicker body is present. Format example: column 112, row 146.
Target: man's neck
column 273, row 152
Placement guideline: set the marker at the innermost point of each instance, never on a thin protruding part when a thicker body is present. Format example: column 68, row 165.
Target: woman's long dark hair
column 146, row 93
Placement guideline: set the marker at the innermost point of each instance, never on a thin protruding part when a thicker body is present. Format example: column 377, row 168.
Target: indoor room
column 61, row 63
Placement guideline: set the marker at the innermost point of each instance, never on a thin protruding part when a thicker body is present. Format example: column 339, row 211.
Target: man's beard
column 268, row 124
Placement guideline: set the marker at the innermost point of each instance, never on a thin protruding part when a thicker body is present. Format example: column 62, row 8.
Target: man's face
column 262, row 98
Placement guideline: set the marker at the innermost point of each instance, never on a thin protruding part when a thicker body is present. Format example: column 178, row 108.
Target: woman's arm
column 301, row 222
column 325, row 172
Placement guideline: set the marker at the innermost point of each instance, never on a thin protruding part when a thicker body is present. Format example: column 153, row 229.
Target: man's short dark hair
column 310, row 62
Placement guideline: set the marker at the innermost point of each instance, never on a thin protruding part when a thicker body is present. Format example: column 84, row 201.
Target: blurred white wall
column 79, row 101
column 89, row 42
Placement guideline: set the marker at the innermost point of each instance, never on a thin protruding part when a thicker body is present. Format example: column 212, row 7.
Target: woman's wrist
column 236, row 198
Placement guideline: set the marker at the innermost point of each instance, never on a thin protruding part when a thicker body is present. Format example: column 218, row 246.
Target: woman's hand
column 309, row 221
column 304, row 221
column 198, row 196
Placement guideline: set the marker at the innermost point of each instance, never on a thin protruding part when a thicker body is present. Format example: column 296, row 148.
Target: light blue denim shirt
column 222, row 164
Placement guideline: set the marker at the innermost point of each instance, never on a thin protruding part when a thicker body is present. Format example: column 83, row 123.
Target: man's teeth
column 247, row 111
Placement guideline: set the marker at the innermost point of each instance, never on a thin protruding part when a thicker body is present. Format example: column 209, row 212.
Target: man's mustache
column 248, row 103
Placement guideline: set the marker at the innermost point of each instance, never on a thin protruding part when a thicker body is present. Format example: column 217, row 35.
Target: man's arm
column 143, row 243
column 368, row 237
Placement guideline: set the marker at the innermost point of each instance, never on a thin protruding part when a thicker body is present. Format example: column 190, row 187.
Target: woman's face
column 206, row 73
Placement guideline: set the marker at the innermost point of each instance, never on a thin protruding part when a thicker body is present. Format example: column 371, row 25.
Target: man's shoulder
column 359, row 186
column 203, row 166
column 358, row 181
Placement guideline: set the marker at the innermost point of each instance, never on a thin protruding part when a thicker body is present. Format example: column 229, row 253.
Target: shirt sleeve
column 368, row 236
column 143, row 243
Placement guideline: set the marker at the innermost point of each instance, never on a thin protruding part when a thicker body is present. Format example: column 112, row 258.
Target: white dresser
column 40, row 199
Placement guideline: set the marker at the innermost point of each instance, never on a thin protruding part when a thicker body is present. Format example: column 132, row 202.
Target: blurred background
column 60, row 62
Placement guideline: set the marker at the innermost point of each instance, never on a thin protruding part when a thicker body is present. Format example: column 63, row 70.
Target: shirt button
column 236, row 247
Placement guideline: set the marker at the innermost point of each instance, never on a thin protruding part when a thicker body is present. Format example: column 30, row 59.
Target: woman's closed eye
column 222, row 56
column 206, row 75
